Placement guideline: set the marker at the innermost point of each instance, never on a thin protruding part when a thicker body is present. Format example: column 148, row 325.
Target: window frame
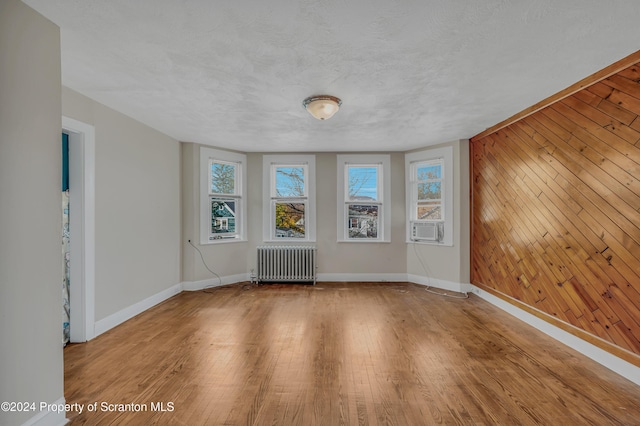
column 412, row 162
column 416, row 181
column 208, row 156
column 270, row 163
column 383, row 195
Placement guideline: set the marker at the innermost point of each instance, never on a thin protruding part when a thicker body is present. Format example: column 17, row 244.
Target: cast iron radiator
column 287, row 264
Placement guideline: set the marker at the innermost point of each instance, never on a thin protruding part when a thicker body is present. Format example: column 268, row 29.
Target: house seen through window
column 223, row 198
column 289, row 191
column 223, row 185
column 289, row 200
column 363, row 198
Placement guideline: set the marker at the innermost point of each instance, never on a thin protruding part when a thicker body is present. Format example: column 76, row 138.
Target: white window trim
column 310, row 191
column 446, row 153
column 384, row 194
column 207, row 154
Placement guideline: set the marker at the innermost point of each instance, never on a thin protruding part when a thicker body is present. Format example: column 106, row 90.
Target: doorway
column 66, row 269
column 81, row 141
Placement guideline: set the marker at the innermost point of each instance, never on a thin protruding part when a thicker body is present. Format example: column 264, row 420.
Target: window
column 222, row 202
column 430, row 196
column 363, row 198
column 428, row 188
column 289, row 209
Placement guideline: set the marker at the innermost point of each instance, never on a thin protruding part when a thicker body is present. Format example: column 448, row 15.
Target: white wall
column 137, row 175
column 30, row 210
column 227, row 259
column 358, row 258
column 441, row 263
column 335, row 260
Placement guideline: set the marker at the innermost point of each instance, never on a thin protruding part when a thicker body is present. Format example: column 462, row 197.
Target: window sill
column 364, row 240
column 223, row 241
column 429, row 243
column 290, row 241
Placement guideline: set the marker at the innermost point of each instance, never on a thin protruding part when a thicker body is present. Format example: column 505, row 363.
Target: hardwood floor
column 337, row 353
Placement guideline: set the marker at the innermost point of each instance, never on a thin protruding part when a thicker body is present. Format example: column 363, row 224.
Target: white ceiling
column 410, row 73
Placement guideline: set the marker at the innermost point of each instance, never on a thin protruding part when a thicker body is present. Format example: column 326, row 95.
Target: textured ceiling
column 410, row 73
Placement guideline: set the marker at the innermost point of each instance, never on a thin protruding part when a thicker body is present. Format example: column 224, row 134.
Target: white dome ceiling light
column 322, row 107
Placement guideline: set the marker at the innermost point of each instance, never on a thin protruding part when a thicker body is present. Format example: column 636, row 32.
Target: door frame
column 82, row 231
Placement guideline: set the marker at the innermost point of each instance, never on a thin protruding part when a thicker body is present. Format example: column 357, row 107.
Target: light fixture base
column 322, row 107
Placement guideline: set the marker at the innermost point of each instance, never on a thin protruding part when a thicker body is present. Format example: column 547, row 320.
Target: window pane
column 290, row 181
column 223, row 216
column 290, row 220
column 429, row 171
column 429, row 210
column 223, row 178
column 430, row 191
column 363, row 221
column 363, row 183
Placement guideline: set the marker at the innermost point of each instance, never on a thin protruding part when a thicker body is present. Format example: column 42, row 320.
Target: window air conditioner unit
column 427, row 231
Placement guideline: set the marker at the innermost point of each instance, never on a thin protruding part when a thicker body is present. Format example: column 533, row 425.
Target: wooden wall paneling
column 561, row 273
column 618, row 158
column 601, row 90
column 488, row 204
column 607, row 116
column 624, row 93
column 556, row 194
column 492, row 257
column 568, row 180
column 529, row 214
column 590, row 98
column 574, row 249
column 611, row 333
column 616, row 111
column 595, row 185
column 556, row 210
column 565, row 259
column 622, row 84
column 636, row 126
column 532, row 269
column 602, row 123
column 503, row 188
column 627, row 102
column 632, row 73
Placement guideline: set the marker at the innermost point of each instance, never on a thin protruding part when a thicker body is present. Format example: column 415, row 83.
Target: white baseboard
column 441, row 284
column 612, row 362
column 214, row 282
column 49, row 418
column 399, row 277
column 121, row 316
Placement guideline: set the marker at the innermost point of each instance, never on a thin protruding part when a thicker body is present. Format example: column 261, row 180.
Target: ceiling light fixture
column 322, row 107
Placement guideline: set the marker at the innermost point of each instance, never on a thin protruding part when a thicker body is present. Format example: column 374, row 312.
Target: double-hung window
column 289, row 210
column 428, row 180
column 430, row 196
column 222, row 202
column 363, row 198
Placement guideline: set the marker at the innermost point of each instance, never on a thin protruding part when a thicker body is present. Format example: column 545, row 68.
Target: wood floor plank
column 338, row 354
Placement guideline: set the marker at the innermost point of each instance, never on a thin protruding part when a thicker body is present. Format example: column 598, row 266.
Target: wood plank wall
column 556, row 213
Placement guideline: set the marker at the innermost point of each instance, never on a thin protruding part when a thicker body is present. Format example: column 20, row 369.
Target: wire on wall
column 245, row 287
column 206, row 266
column 428, row 272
